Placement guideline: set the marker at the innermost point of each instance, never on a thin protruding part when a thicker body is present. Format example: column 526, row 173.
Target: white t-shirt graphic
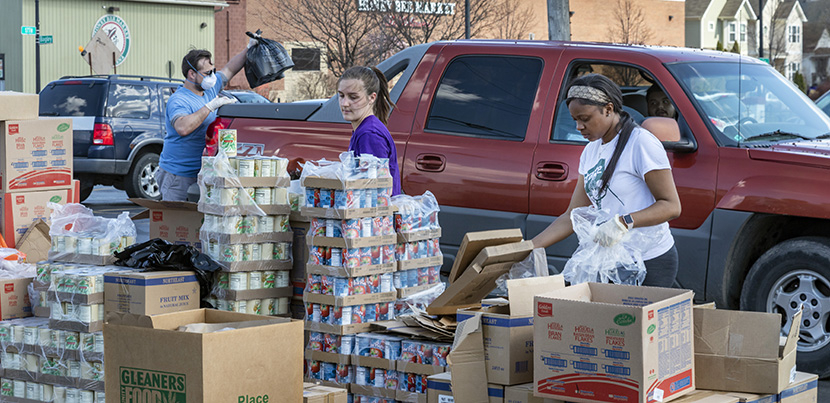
column 627, row 191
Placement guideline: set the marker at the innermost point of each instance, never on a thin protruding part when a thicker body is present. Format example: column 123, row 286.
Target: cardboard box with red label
column 20, row 210
column 175, row 222
column 36, row 154
column 14, row 298
column 612, row 343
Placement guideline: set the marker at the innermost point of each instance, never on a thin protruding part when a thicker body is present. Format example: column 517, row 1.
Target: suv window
column 496, row 104
column 633, row 82
column 166, row 92
column 73, row 98
column 129, row 101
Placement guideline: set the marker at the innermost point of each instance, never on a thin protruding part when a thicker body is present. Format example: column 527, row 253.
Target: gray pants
column 662, row 270
column 173, row 187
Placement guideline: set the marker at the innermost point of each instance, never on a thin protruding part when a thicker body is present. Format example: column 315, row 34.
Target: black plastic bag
column 160, row 255
column 267, row 61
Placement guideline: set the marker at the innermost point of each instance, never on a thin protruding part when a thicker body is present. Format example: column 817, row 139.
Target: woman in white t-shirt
column 624, row 169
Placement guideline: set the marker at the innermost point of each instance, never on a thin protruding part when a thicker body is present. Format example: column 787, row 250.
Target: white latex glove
column 611, row 232
column 252, row 42
column 217, row 102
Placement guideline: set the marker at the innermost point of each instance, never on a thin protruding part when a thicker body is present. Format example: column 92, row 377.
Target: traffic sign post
column 46, row 39
column 28, row 30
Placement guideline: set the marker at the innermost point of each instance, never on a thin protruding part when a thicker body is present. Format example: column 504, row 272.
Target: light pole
column 37, row 46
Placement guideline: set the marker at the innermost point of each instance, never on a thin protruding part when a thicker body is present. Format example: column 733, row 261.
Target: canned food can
column 84, row 245
column 6, row 387
column 71, row 340
column 283, row 306
column 246, row 225
column 269, row 279
column 256, row 252
column 281, row 223
column 336, row 257
column 267, row 306
column 281, row 251
column 85, row 285
column 31, row 335
column 281, row 279
column 326, row 198
column 255, row 280
column 223, row 305
column 73, row 395
column 74, row 368
column 267, row 167
column 257, row 167
column 238, row 281
column 19, row 389
column 45, row 336
column 231, row 253
column 104, row 248
column 100, row 397
column 246, row 167
column 223, row 280
column 280, row 196
column 71, row 244
column 247, row 253
column 274, row 308
column 233, row 163
column 28, row 362
column 207, row 166
column 60, row 394
column 266, row 250
column 227, row 141
column 87, row 396
column 47, row 394
column 263, row 196
column 280, row 166
column 229, row 197
column 254, row 307
column 88, row 342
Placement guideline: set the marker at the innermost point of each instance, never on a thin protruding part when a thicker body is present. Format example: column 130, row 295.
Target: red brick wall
column 593, row 20
column 230, row 37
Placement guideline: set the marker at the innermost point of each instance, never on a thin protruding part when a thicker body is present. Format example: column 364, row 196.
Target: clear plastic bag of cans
column 278, row 306
column 348, row 286
column 76, row 230
column 416, row 277
column 223, row 165
column 47, row 392
column 296, row 195
column 69, row 292
column 351, row 228
column 348, row 169
column 348, row 315
column 416, row 213
column 245, row 224
column 220, row 185
column 248, row 252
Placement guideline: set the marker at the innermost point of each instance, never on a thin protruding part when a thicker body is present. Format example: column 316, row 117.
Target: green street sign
column 765, row 60
column 46, row 39
column 28, row 30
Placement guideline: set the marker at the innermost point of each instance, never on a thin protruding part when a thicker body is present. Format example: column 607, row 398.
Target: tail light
column 102, row 135
column 211, row 137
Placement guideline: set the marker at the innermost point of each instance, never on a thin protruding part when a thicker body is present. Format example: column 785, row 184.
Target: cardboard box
column 20, row 210
column 324, row 394
column 14, row 298
column 36, row 154
column 151, row 293
column 803, row 389
column 146, row 356
column 754, row 398
column 18, row 105
column 507, row 330
column 740, row 351
column 524, row 394
column 495, row 252
column 707, row 396
column 440, row 390
column 176, row 222
column 594, row 340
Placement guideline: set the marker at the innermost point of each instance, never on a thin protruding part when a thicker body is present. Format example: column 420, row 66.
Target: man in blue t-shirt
column 189, row 112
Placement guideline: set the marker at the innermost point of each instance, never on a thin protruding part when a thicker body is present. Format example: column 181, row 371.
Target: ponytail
column 374, row 82
column 626, row 126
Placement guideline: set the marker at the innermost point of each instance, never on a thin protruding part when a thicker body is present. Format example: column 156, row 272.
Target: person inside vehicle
column 189, row 112
column 659, row 103
column 364, row 101
column 624, row 169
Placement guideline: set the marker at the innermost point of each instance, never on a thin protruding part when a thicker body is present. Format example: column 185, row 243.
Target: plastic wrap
column 621, row 263
column 420, row 300
column 76, row 298
column 38, row 361
column 80, row 236
column 256, row 292
column 296, row 195
column 534, row 265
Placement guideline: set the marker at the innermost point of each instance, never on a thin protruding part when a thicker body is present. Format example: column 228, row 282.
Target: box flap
column 164, row 205
column 520, row 292
column 35, row 243
column 480, row 278
column 736, row 333
column 474, row 242
column 467, row 362
column 216, row 327
column 792, row 336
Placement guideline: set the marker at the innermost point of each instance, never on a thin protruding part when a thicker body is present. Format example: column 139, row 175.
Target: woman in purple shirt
column 364, row 101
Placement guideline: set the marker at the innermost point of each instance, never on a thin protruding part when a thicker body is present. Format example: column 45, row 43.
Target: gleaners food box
column 613, row 343
column 743, row 351
column 36, row 154
column 221, row 357
column 176, row 222
column 21, row 209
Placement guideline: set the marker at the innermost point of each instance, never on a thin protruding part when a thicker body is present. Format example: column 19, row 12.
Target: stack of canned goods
column 351, row 258
column 352, row 228
column 249, row 252
column 84, row 313
column 257, row 306
column 246, row 167
column 35, row 332
column 346, row 286
column 347, row 198
column 245, row 224
column 416, row 277
column 87, row 244
column 43, row 392
column 253, row 280
column 348, row 315
column 235, row 196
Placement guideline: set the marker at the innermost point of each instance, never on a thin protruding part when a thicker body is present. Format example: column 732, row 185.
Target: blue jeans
column 173, row 187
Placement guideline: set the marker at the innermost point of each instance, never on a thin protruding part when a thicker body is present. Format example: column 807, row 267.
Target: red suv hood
column 813, row 153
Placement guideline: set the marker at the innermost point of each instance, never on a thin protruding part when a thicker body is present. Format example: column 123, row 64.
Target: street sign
column 765, row 60
column 28, row 30
column 46, row 39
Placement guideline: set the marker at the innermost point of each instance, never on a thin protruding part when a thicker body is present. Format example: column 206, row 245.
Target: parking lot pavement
column 107, row 201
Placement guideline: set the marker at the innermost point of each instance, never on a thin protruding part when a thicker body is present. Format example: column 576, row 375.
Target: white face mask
column 208, row 81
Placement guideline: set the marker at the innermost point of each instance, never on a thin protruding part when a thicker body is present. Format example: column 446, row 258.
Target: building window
column 711, row 26
column 794, row 67
column 306, row 59
column 743, row 32
column 732, row 29
column 794, row 34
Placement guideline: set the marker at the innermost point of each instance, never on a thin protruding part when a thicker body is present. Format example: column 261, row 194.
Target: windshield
column 74, row 98
column 824, row 103
column 749, row 102
column 251, row 98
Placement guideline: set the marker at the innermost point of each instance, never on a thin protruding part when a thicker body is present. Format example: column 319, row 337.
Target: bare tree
column 511, row 19
column 315, row 85
column 777, row 39
column 629, row 24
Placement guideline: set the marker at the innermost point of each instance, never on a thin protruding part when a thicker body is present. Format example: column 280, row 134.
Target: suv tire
column 141, row 181
column 793, row 274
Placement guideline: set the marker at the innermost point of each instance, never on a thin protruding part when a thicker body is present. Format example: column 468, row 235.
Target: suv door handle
column 430, row 162
column 552, row 171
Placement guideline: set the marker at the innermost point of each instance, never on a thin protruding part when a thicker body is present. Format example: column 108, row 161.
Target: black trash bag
column 267, row 61
column 160, row 255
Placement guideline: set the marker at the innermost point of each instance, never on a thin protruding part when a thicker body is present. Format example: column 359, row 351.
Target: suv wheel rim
column 811, row 291
column 148, row 182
